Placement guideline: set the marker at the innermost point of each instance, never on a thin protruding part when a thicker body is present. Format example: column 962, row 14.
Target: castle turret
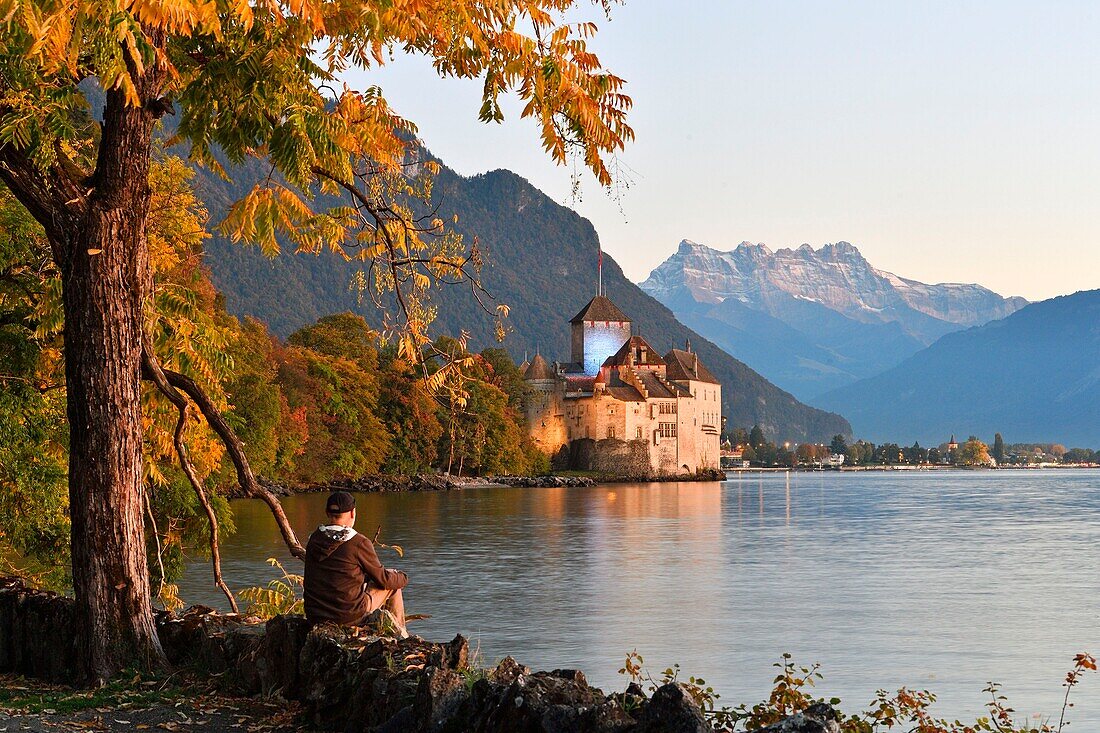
column 543, row 406
column 539, row 370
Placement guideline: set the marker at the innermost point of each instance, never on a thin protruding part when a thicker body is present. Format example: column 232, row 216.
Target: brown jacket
column 339, row 562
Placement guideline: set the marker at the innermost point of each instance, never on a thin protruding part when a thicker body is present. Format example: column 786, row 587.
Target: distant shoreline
column 385, row 484
column 909, row 468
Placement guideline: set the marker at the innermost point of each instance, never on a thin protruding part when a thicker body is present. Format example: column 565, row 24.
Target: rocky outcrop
column 818, row 718
column 428, row 482
column 379, row 483
column 543, row 482
column 36, row 632
column 350, row 679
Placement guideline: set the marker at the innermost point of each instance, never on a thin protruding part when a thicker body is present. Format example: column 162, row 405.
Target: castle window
column 668, row 408
column 666, row 429
column 638, row 433
column 610, row 431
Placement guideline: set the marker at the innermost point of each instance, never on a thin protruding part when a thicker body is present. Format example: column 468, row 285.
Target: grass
column 32, row 697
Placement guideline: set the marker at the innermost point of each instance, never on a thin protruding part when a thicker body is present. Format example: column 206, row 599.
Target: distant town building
column 619, row 405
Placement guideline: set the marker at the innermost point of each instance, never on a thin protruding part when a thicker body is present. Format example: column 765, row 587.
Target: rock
column 352, row 679
column 457, row 653
column 508, row 671
column 36, row 633
column 211, row 641
column 818, row 718
column 439, row 696
column 278, row 655
column 542, row 702
column 672, row 710
column 328, row 672
column 382, row 622
column 542, row 482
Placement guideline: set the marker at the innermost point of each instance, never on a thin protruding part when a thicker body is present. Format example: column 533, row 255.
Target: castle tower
column 598, row 331
column 543, row 406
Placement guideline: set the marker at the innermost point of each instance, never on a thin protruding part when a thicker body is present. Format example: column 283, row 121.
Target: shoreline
column 911, row 468
column 400, row 483
column 396, row 483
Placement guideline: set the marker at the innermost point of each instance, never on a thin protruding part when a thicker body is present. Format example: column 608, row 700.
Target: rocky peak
column 749, row 249
column 689, row 247
column 836, row 276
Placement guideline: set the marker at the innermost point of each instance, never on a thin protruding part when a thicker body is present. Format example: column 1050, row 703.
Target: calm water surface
column 938, row 580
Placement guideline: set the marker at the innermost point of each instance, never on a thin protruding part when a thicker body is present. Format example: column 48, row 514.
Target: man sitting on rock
column 344, row 580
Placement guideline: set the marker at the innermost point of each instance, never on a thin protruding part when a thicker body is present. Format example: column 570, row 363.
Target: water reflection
column 940, row 580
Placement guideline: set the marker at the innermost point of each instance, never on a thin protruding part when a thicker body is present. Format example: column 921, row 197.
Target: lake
column 942, row 580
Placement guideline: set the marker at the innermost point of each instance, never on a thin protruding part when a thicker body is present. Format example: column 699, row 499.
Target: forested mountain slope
column 1033, row 376
column 540, row 261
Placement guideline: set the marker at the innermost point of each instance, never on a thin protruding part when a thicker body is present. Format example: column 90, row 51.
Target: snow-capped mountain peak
column 812, row 319
column 835, row 275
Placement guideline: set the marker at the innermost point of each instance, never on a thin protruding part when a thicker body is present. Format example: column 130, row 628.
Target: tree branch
column 156, row 536
column 151, row 366
column 234, row 446
column 52, row 196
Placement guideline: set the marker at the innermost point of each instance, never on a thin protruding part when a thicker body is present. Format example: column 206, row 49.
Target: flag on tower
column 599, row 271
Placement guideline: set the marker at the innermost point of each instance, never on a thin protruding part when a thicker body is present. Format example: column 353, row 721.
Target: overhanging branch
column 152, row 368
column 235, row 448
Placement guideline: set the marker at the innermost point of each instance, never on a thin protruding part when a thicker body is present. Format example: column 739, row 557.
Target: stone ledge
column 348, row 679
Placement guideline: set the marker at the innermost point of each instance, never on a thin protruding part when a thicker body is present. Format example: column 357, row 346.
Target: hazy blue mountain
column 813, row 320
column 541, row 262
column 1033, row 376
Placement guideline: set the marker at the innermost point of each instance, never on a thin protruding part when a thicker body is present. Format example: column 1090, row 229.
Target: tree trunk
column 105, row 281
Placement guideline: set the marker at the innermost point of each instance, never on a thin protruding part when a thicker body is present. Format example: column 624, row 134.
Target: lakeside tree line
column 327, row 403
column 760, row 451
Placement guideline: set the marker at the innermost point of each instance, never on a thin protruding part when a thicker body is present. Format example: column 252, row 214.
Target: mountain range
column 540, row 261
column 1033, row 376
column 814, row 320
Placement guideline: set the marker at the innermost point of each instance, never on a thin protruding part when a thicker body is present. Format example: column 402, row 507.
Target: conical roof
column 600, row 308
column 539, row 369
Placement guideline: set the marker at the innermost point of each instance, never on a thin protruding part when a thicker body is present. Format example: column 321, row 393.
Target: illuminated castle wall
column 594, row 341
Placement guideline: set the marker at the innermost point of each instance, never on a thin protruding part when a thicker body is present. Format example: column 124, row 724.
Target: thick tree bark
column 105, row 276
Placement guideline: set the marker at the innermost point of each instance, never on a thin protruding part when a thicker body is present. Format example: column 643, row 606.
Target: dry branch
column 153, row 369
column 235, row 448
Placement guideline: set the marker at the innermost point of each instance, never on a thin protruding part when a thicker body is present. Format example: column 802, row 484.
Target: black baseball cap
column 339, row 502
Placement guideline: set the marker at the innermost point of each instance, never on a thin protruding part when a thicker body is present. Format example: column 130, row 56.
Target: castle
column 619, row 406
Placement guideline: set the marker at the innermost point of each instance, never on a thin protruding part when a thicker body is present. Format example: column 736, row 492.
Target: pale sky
column 949, row 141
